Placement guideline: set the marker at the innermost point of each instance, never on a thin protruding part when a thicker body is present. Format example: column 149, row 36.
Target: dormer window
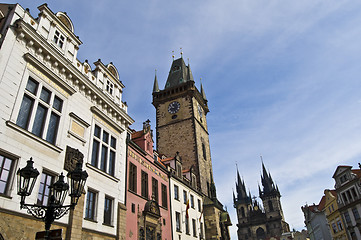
column 59, row 39
column 343, row 178
column 110, row 87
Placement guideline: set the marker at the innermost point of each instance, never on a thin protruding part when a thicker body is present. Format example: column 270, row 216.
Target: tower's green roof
column 178, row 74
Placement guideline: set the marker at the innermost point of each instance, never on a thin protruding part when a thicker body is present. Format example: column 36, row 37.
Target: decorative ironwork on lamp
column 54, row 210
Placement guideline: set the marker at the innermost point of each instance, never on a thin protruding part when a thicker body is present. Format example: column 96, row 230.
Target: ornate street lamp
column 58, row 191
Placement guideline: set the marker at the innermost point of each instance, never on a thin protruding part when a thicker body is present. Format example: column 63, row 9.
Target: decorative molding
column 95, row 110
column 72, row 157
column 50, row 73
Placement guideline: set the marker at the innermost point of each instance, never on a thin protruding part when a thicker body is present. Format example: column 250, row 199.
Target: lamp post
column 54, row 210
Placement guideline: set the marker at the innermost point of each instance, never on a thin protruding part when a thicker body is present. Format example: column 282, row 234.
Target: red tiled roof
column 137, row 134
column 333, row 192
column 357, row 172
column 166, row 159
column 322, row 203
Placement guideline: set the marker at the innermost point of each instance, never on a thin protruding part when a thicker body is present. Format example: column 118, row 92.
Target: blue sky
column 282, row 78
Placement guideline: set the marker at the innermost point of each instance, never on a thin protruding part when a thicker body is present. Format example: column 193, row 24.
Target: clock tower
column 181, row 123
column 181, row 126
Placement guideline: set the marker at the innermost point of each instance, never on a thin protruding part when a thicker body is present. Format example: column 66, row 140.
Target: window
column 40, row 111
column 90, row 205
column 177, row 222
column 164, row 196
column 354, row 193
column 184, row 197
column 270, row 205
column 133, row 208
column 132, row 177
column 201, row 231
column 59, row 39
column 6, row 168
column 104, row 149
column 204, row 151
column 155, row 189
column 343, row 178
column 187, row 225
column 108, row 206
column 199, row 205
column 192, row 201
column 339, row 225
column 144, row 184
column 334, row 228
column 347, row 217
column 194, row 228
column 344, row 197
column 355, row 213
column 176, row 192
column 109, row 87
column 45, row 182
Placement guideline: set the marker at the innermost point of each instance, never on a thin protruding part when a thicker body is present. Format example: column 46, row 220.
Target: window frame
column 144, row 185
column 59, row 39
column 91, row 210
column 164, row 196
column 52, row 176
column 155, row 189
column 34, row 110
column 103, row 153
column 194, row 225
column 108, row 217
column 176, row 192
column 185, row 197
column 11, row 172
column 132, row 186
column 178, row 222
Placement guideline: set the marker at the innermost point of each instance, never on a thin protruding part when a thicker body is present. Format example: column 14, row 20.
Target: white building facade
column 53, row 107
column 186, row 202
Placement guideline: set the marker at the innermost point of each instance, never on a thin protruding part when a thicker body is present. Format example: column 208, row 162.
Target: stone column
column 74, row 231
column 122, row 222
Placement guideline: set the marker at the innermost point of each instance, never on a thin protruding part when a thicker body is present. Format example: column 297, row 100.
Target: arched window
column 204, row 151
column 260, row 233
column 270, row 205
column 242, row 212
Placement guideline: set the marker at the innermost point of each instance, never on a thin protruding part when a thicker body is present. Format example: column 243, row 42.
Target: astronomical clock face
column 173, row 107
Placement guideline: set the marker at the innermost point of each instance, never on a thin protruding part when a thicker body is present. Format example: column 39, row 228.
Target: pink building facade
column 147, row 198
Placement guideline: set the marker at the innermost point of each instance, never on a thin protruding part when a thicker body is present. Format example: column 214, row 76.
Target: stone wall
column 23, row 227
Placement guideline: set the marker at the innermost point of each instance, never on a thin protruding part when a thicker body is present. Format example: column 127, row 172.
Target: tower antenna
column 181, row 52
column 173, row 55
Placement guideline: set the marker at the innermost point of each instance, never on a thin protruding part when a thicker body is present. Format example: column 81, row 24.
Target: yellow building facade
column 333, row 215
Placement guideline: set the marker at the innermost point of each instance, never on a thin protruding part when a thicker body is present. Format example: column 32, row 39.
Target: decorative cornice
column 29, row 58
column 68, row 73
column 95, row 110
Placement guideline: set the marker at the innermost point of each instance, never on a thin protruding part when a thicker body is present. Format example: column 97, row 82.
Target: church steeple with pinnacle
column 242, row 196
column 267, row 217
column 269, row 188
